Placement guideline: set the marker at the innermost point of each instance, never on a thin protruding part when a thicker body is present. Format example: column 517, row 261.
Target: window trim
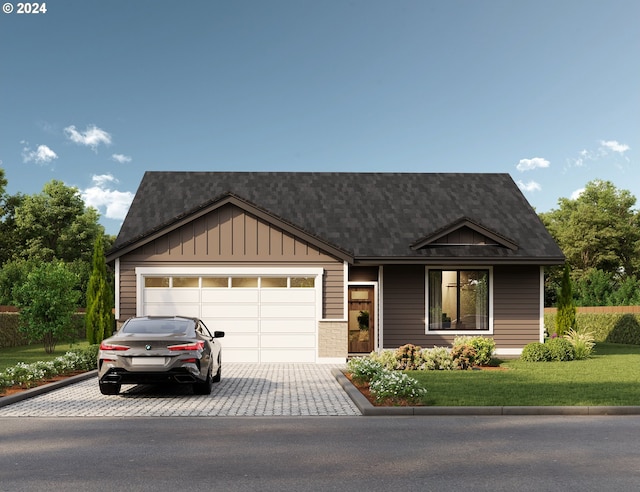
column 458, row 268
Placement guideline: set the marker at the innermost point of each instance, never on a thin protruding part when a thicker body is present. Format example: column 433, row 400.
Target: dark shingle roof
column 367, row 215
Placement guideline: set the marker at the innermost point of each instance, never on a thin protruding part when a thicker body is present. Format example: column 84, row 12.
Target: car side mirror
column 218, row 334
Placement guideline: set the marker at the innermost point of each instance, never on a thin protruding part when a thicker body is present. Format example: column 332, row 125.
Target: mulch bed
column 12, row 390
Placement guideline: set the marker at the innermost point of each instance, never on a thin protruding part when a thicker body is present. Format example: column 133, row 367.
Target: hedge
column 606, row 327
column 11, row 336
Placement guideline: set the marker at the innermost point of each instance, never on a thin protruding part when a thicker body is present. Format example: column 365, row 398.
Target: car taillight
column 111, row 346
column 199, row 345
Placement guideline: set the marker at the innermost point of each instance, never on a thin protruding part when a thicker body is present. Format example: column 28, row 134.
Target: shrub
column 387, row 358
column 437, row 359
column 364, row 369
column 582, row 341
column 396, row 386
column 463, row 353
column 560, row 349
column 536, row 352
column 409, row 357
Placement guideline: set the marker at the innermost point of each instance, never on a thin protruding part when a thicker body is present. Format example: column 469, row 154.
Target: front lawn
column 610, row 377
column 34, row 353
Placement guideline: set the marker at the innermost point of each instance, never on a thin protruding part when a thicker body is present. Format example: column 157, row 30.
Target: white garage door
column 266, row 318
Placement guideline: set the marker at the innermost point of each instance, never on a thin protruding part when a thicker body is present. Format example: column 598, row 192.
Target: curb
column 367, row 409
column 45, row 388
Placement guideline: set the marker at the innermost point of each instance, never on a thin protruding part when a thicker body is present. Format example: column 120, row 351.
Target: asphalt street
column 434, row 453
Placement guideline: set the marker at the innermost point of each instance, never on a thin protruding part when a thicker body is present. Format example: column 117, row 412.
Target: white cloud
column 529, row 164
column 91, row 137
column 530, row 186
column 100, row 196
column 42, row 155
column 576, row 194
column 614, row 146
column 121, row 158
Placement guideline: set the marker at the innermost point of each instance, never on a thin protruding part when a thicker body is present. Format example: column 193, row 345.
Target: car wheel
column 203, row 388
column 109, row 388
column 218, row 376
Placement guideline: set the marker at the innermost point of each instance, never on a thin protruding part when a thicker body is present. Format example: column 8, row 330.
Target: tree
column 47, row 300
column 99, row 318
column 598, row 230
column 566, row 316
column 55, row 224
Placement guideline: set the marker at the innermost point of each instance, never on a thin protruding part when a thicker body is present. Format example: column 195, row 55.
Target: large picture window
column 458, row 300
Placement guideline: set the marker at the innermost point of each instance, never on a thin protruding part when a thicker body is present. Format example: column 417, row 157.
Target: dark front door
column 361, row 320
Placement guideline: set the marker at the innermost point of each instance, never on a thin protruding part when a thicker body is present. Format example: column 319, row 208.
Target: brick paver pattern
column 245, row 390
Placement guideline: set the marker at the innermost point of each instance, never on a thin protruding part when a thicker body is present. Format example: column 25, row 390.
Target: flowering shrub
column 27, row 375
column 464, row 355
column 364, row 369
column 484, row 348
column 395, row 386
column 387, row 358
column 437, row 359
column 409, row 357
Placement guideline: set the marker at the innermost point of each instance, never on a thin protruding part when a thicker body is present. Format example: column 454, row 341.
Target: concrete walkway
column 245, row 390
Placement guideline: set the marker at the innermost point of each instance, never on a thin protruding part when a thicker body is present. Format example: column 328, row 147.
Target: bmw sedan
column 160, row 350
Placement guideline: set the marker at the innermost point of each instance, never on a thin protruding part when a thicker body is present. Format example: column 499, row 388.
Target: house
column 312, row 267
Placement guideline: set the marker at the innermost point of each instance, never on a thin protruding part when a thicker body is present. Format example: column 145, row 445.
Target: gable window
column 458, row 300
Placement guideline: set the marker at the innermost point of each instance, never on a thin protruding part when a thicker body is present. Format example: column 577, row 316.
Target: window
column 244, row 282
column 302, row 282
column 268, row 282
column 215, row 282
column 156, row 281
column 458, row 300
column 185, row 281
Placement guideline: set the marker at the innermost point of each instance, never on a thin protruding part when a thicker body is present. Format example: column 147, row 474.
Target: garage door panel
column 240, row 355
column 230, row 295
column 294, row 341
column 230, row 311
column 172, row 309
column 239, row 340
column 287, row 311
column 288, row 326
column 293, row 356
column 229, row 325
column 292, row 296
column 172, row 295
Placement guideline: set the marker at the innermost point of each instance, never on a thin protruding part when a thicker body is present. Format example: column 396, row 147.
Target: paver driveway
column 245, row 390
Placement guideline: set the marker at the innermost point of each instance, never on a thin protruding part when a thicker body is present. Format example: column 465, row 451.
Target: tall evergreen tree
column 99, row 317
column 566, row 316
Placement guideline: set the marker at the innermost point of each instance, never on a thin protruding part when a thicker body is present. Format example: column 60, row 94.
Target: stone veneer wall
column 333, row 339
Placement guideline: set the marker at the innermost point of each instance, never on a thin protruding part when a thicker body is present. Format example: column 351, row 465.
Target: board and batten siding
column 516, row 307
column 232, row 237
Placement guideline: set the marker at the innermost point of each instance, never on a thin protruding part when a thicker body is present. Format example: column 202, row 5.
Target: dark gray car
column 160, row 350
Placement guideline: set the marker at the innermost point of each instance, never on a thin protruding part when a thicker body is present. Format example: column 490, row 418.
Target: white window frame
column 426, row 301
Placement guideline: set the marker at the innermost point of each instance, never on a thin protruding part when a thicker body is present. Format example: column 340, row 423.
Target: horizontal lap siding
column 516, row 308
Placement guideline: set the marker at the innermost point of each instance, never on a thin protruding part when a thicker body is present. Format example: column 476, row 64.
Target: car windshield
column 160, row 326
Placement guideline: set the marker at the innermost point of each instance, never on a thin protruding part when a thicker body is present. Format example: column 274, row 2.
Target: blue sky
column 95, row 93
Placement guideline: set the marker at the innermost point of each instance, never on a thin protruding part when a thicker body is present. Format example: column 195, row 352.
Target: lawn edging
column 45, row 388
column 367, row 409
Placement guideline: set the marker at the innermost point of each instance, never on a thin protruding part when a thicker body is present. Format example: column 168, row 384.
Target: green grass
column 33, row 353
column 610, row 377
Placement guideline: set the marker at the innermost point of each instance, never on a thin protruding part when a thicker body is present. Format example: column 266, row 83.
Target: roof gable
column 464, row 232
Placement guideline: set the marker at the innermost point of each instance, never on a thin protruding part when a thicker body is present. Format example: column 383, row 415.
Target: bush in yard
column 387, row 358
column 364, row 369
column 47, row 301
column 463, row 353
column 409, row 357
column 437, row 359
column 536, row 352
column 99, row 318
column 394, row 385
column 560, row 349
column 484, row 347
column 582, row 341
